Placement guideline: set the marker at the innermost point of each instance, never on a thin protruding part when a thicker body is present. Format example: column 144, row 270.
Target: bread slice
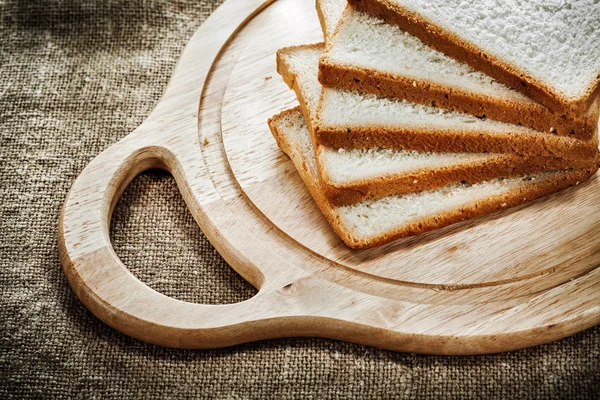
column 548, row 50
column 373, row 222
column 377, row 57
column 351, row 119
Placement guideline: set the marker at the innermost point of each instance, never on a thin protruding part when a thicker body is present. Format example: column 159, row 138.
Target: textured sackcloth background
column 75, row 77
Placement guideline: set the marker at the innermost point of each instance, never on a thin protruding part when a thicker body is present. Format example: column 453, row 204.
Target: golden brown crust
column 448, row 43
column 544, row 145
column 503, row 166
column 532, row 115
column 310, row 180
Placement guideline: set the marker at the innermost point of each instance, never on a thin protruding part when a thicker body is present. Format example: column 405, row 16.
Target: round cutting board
column 510, row 280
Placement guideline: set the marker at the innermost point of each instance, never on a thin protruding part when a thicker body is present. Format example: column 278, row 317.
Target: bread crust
column 536, row 189
column 454, row 141
column 454, row 46
column 507, row 165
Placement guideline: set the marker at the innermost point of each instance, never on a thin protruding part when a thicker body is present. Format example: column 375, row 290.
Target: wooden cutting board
column 515, row 279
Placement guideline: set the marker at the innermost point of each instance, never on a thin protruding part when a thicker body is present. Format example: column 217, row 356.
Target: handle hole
column 156, row 237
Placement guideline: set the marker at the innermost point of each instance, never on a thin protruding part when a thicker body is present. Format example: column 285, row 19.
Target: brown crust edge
column 545, row 145
column 470, row 211
column 449, row 43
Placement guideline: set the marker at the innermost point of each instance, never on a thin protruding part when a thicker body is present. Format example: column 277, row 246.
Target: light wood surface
column 511, row 280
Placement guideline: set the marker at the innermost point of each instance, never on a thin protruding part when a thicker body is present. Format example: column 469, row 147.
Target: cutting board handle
column 104, row 284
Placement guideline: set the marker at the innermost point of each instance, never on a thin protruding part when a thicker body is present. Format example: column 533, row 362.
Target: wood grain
column 511, row 280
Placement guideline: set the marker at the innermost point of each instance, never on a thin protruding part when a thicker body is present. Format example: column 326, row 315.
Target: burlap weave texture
column 75, row 77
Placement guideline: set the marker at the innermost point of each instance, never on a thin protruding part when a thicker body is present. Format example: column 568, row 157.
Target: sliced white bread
column 368, row 54
column 352, row 119
column 352, row 175
column 377, row 221
column 549, row 50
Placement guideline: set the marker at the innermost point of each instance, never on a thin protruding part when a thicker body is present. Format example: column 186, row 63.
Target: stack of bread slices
column 416, row 114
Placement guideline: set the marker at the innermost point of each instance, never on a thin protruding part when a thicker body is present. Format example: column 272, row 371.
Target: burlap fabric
column 75, row 77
